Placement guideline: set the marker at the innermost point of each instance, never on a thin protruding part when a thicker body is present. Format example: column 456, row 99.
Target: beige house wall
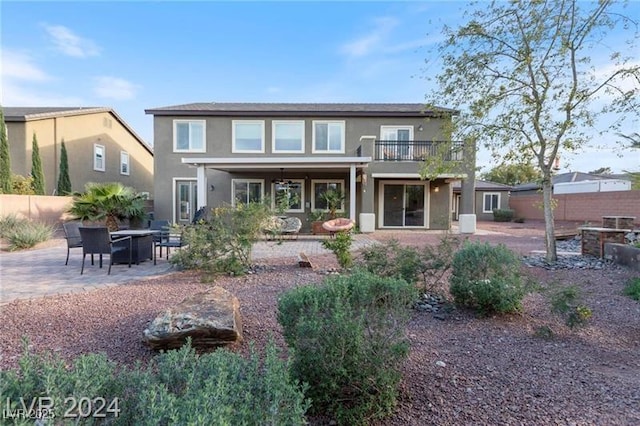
column 80, row 133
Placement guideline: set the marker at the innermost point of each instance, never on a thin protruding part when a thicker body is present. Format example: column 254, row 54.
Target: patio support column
column 202, row 186
column 352, row 192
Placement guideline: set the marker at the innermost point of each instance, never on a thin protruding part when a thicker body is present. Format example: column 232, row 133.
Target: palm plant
column 334, row 199
column 109, row 202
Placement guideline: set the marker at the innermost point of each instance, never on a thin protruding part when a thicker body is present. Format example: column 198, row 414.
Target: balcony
column 417, row 150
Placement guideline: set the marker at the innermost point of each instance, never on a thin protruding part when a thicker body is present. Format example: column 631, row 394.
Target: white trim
column 233, row 192
column 416, row 176
column 234, row 150
column 274, row 124
column 342, row 124
column 174, row 182
column 104, row 158
column 125, row 153
column 190, row 149
column 484, row 204
column 427, row 201
column 302, row 191
column 276, row 162
column 313, row 191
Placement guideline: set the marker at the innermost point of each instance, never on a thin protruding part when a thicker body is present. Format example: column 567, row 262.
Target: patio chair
column 168, row 239
column 72, row 235
column 159, row 225
column 97, row 240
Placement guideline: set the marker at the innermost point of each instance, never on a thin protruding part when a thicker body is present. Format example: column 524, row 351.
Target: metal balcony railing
column 417, row 150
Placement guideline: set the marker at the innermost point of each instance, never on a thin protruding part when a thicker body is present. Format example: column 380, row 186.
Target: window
column 319, row 187
column 98, row 158
column 328, row 136
column 189, row 136
column 396, row 141
column 291, row 194
column 491, row 201
column 396, row 133
column 288, row 136
column 124, row 163
column 248, row 136
column 247, row 191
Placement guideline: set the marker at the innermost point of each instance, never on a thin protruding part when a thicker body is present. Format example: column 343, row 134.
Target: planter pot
column 316, row 228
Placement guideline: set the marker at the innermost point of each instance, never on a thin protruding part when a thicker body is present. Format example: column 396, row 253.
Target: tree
column 520, row 74
column 36, row 168
column 513, row 174
column 601, row 171
column 64, row 182
column 5, row 160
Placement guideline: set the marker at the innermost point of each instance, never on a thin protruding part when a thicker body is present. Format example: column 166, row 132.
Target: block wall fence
column 584, row 207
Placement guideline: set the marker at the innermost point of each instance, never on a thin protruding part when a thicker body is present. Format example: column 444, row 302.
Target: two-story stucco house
column 208, row 154
column 101, row 147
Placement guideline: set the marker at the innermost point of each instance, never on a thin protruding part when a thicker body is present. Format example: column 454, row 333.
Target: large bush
column 348, row 343
column 177, row 388
column 222, row 243
column 487, row 278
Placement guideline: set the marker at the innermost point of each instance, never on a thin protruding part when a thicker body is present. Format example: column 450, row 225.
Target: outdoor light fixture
column 420, row 128
column 436, row 189
column 212, row 188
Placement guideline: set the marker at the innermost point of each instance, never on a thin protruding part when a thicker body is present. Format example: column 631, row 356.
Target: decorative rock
column 211, row 319
column 441, row 364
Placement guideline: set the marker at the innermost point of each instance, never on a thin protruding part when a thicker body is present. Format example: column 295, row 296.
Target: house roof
column 24, row 114
column 566, row 178
column 302, row 109
column 483, row 185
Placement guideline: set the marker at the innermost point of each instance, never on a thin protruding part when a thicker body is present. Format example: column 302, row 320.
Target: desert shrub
column 632, row 289
column 503, row 215
column 22, row 185
column 27, row 234
column 341, row 246
column 177, row 387
column 487, row 278
column 565, row 302
column 426, row 265
column 11, row 222
column 222, row 243
column 348, row 342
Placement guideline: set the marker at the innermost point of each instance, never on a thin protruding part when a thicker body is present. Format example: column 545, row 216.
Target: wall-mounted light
column 436, row 189
column 364, row 178
column 212, row 188
column 420, row 128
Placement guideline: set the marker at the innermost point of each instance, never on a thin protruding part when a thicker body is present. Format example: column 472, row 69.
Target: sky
column 135, row 55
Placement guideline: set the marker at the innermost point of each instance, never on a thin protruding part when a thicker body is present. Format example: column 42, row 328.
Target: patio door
column 186, row 202
column 403, row 205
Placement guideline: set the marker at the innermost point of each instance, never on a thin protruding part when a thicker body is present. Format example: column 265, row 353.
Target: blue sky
column 132, row 56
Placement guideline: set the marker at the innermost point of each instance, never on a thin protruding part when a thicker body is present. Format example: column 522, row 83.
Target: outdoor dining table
column 141, row 245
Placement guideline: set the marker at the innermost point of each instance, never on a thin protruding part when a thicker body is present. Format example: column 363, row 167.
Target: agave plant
column 109, row 202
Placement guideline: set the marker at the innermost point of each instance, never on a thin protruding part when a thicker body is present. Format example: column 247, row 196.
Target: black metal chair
column 168, row 239
column 160, row 226
column 72, row 235
column 97, row 240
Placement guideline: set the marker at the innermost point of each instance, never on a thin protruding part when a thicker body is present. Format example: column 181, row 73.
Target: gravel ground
column 462, row 370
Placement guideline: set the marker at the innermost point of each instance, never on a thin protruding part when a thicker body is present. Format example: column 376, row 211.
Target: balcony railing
column 417, row 150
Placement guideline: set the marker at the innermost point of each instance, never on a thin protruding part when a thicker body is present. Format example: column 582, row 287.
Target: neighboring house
column 216, row 153
column 101, row 147
column 488, row 196
column 566, row 179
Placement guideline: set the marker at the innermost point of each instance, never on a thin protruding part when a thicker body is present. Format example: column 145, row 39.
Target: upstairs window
column 491, row 202
column 124, row 163
column 248, row 136
column 98, row 158
column 328, row 137
column 288, row 136
column 189, row 136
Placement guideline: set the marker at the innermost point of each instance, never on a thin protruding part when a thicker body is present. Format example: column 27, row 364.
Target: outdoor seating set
column 123, row 246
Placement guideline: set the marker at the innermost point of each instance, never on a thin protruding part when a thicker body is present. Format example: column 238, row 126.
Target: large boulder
column 210, row 318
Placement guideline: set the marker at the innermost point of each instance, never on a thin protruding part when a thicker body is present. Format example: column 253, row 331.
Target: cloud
column 273, row 90
column 20, row 66
column 115, row 88
column 371, row 41
column 70, row 44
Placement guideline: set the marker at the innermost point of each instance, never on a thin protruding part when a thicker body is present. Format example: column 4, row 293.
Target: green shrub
column 177, row 387
column 22, row 185
column 28, row 234
column 487, row 278
column 222, row 243
column 632, row 289
column 348, row 342
column 427, row 265
column 503, row 215
column 11, row 222
column 341, row 246
column 565, row 302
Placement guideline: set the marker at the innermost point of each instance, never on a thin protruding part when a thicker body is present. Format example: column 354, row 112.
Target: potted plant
column 108, row 203
column 316, row 217
column 334, row 199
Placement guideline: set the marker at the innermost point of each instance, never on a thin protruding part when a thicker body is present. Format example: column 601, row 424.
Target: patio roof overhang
column 257, row 163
